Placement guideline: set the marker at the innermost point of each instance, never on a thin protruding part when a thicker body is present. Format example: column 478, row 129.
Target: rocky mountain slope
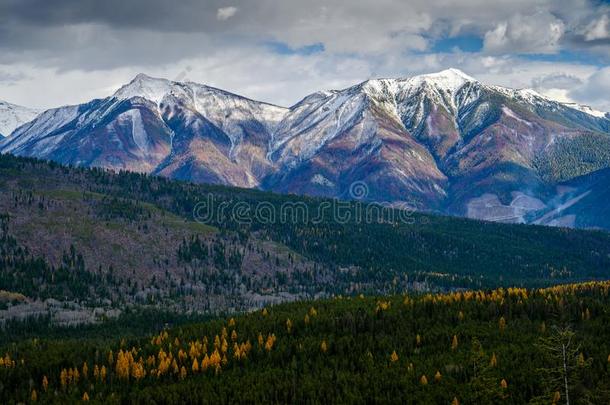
column 13, row 116
column 441, row 142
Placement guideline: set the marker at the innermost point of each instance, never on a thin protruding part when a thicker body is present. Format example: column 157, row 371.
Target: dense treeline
column 470, row 347
column 568, row 159
column 24, row 273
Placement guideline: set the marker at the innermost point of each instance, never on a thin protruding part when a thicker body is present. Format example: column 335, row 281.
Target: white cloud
column 538, row 33
column 224, row 13
column 598, row 29
column 595, row 90
column 95, row 52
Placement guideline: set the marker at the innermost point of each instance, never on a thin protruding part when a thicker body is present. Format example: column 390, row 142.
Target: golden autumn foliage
column 34, row 396
column 166, row 359
column 394, row 357
column 382, row 306
column 270, row 342
column 85, row 397
column 7, row 362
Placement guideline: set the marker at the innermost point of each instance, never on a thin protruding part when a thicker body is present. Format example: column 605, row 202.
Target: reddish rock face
column 441, row 142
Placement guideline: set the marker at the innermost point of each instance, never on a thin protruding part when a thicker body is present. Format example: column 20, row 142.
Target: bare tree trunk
column 565, row 374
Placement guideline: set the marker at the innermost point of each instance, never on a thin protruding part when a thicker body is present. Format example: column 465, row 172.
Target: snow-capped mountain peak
column 13, row 116
column 449, row 79
column 439, row 140
column 147, row 87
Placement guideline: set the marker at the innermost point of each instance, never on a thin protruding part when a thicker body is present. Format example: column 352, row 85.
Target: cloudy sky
column 69, row 51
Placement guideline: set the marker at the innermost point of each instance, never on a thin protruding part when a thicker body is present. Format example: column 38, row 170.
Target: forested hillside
column 84, row 243
column 473, row 347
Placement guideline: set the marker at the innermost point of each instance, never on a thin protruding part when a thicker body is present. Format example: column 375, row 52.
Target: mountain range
column 13, row 116
column 441, row 142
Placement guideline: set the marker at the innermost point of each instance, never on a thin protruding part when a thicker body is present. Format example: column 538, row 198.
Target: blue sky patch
column 466, row 43
column 283, row 48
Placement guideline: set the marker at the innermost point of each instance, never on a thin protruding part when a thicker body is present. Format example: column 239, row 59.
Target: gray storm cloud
column 92, row 46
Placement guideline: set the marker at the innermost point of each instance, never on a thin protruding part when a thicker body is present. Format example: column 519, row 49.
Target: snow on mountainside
column 442, row 141
column 13, row 116
column 587, row 109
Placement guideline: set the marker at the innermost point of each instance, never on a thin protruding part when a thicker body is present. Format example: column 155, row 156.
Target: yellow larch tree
column 205, row 363
column 103, row 372
column 502, row 324
column 394, row 357
column 63, row 378
column 423, row 380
